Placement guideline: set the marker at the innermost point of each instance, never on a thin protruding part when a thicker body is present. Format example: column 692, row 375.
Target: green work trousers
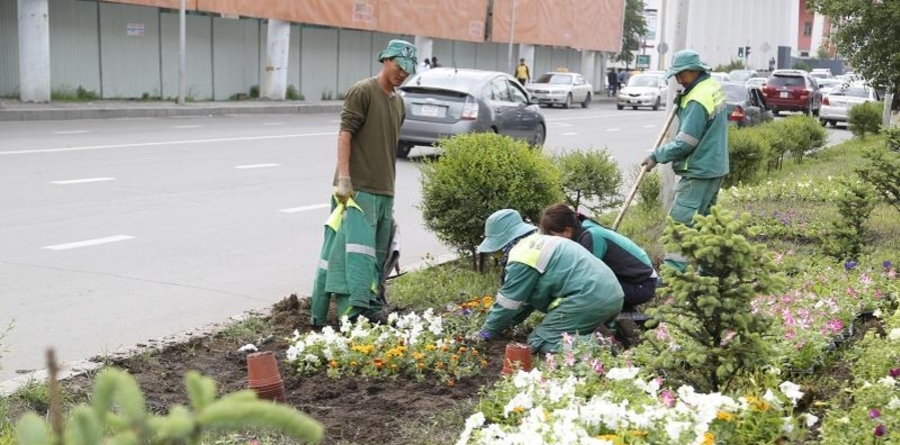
column 574, row 316
column 692, row 196
column 379, row 212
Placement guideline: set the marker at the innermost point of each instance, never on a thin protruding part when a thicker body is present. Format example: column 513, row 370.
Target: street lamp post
column 181, row 51
column 512, row 26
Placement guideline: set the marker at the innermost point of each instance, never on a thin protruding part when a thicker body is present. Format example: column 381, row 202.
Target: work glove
column 648, row 163
column 480, row 336
column 344, row 189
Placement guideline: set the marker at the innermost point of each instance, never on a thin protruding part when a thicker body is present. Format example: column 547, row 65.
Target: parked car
column 792, row 90
column 841, row 99
column 745, row 105
column 444, row 102
column 720, row 77
column 741, row 75
column 643, row 90
column 562, row 88
column 756, row 82
column 821, row 73
column 826, row 85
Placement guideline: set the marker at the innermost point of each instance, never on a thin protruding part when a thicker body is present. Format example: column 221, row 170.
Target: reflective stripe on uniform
column 547, row 252
column 554, row 303
column 508, row 303
column 675, row 257
column 362, row 249
column 687, row 139
column 323, row 264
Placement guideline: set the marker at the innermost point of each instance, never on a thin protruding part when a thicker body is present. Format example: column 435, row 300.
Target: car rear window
column 852, row 92
column 644, row 81
column 559, row 79
column 786, row 81
column 734, row 93
column 442, row 81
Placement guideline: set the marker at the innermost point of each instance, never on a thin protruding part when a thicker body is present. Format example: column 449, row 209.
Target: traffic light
column 740, row 52
column 747, row 51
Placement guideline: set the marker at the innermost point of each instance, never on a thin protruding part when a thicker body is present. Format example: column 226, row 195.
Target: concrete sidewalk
column 13, row 110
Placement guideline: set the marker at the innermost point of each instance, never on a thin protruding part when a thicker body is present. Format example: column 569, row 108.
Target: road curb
column 49, row 114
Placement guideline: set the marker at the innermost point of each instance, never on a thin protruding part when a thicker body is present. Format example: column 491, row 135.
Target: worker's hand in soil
column 344, row 189
column 648, row 163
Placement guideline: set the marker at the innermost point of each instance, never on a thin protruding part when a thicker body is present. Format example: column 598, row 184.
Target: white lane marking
column 305, row 208
column 558, row 125
column 334, row 121
column 90, row 242
column 595, row 116
column 649, row 126
column 82, row 181
column 571, row 133
column 164, row 143
column 186, row 126
column 269, row 124
column 248, row 166
column 72, row 132
column 612, row 129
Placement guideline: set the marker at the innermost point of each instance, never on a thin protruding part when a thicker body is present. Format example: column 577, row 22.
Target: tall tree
column 867, row 35
column 634, row 30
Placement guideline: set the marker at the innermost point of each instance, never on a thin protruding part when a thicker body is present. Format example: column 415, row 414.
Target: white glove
column 344, row 188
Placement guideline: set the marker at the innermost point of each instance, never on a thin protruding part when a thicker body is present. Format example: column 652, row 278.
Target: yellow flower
column 393, row 367
column 638, row 433
column 462, row 350
column 353, row 363
column 722, row 415
column 418, row 356
column 474, row 353
column 333, row 364
column 454, row 357
column 518, row 410
column 430, row 347
column 709, row 439
column 609, row 437
column 445, row 348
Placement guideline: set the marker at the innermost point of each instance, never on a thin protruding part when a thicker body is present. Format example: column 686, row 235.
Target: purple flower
column 850, row 265
column 874, row 413
column 887, row 265
column 880, row 430
column 895, row 372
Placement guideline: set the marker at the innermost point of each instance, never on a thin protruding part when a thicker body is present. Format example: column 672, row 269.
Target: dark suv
column 793, row 90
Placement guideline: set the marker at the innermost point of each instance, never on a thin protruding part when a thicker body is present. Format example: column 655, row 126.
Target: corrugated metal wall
column 319, row 60
column 235, row 56
column 198, row 50
column 354, row 57
column 9, row 49
column 129, row 64
column 74, row 46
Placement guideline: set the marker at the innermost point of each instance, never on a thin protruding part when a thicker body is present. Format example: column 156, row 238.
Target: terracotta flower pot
column 263, row 376
column 518, row 356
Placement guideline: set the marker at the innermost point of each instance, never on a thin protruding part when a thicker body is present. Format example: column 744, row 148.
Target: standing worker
column 550, row 274
column 364, row 182
column 630, row 264
column 523, row 74
column 699, row 152
column 612, row 81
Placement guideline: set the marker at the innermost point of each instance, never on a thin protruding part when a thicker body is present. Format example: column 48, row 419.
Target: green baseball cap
column 502, row 227
column 403, row 52
column 686, row 60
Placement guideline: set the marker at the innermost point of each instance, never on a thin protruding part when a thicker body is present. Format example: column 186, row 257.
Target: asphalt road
column 114, row 232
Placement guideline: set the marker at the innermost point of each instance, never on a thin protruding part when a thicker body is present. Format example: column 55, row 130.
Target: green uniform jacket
column 626, row 259
column 549, row 272
column 352, row 267
column 700, row 149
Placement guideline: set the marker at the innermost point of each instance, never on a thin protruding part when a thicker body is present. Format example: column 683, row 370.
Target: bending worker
column 699, row 152
column 550, row 274
column 627, row 260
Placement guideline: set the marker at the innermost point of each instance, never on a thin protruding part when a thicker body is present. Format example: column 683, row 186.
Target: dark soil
column 353, row 410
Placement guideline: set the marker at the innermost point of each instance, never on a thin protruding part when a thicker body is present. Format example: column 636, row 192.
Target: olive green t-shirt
column 374, row 119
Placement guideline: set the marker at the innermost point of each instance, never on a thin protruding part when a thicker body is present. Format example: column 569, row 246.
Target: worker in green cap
column 699, row 151
column 551, row 274
column 366, row 171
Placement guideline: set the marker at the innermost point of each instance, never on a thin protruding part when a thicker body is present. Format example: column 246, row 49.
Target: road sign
column 643, row 61
column 662, row 48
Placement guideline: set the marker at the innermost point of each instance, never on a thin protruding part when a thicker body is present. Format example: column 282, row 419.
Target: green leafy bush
column 892, row 138
column 855, row 205
column 117, row 415
column 648, row 190
column 865, row 118
column 747, row 151
column 293, row 94
column 804, row 135
column 477, row 175
column 590, row 178
column 709, row 315
column 254, row 92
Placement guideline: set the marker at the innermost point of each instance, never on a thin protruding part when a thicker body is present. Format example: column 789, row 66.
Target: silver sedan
column 562, row 89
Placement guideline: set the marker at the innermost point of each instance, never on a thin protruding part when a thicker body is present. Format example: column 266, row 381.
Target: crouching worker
column 348, row 269
column 550, row 274
column 628, row 261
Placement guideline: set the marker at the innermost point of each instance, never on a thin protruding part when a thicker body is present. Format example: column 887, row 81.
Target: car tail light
column 737, row 114
column 470, row 109
column 825, row 101
column 767, row 90
column 804, row 93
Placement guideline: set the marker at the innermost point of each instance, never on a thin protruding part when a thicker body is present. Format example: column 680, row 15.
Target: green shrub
column 710, row 314
column 293, row 94
column 804, row 135
column 648, row 190
column 730, row 66
column 747, row 151
column 590, row 178
column 254, row 92
column 883, row 173
column 779, row 143
column 865, row 118
column 801, row 65
column 477, row 175
column 855, row 204
column 892, row 138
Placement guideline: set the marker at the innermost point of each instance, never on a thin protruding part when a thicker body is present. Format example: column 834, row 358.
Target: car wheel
column 776, row 112
column 657, row 104
column 634, row 108
column 587, row 101
column 808, row 111
column 619, row 107
column 568, row 103
column 834, row 124
column 823, row 122
column 537, row 141
column 403, row 150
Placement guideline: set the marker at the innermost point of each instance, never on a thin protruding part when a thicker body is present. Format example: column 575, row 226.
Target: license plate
column 785, row 94
column 430, row 111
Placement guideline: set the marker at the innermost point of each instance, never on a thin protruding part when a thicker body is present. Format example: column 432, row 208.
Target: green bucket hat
column 686, row 60
column 502, row 227
column 403, row 52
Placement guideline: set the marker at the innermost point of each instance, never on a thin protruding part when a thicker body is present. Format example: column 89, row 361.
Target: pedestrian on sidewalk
column 364, row 181
column 550, row 274
column 523, row 74
column 699, row 151
column 612, row 81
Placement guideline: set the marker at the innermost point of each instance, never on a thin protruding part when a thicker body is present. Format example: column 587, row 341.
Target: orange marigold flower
column 333, row 364
column 445, row 348
column 353, row 363
column 451, row 382
column 518, row 410
column 709, row 439
column 430, row 347
column 454, row 357
column 439, row 365
column 726, row 416
column 379, row 363
column 474, row 353
column 462, row 350
column 393, row 367
column 483, row 363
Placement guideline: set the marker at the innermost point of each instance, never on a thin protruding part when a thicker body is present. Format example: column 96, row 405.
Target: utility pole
column 679, row 42
column 182, row 42
column 512, row 26
column 888, row 101
column 661, row 61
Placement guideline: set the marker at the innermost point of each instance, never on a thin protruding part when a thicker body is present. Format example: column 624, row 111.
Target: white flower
column 521, row 401
column 877, row 313
column 675, row 428
column 770, row 397
column 474, row 421
column 887, row 381
column 787, row 424
column 894, row 335
column 894, row 403
column 249, row 347
column 808, row 419
column 311, row 358
column 791, row 390
column 622, row 373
